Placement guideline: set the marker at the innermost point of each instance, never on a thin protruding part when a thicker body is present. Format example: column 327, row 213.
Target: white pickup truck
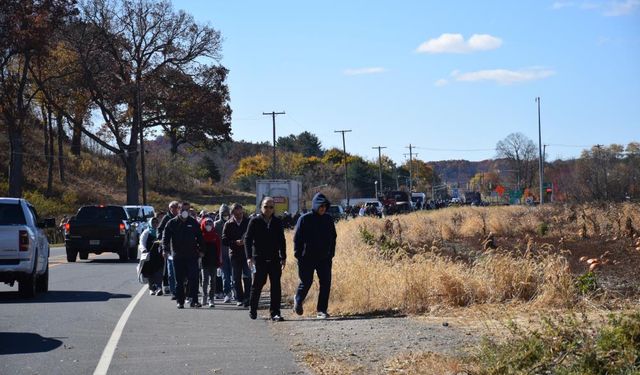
column 24, row 248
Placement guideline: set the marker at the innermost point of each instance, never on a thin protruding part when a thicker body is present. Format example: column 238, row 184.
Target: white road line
column 107, row 354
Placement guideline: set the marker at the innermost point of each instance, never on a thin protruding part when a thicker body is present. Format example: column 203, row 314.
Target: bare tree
column 122, row 45
column 521, row 152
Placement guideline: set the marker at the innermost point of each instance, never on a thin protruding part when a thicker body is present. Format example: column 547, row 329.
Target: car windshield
column 134, row 212
column 11, row 214
column 101, row 213
column 372, row 204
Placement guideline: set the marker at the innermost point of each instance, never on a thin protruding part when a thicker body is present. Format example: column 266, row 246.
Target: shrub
column 567, row 345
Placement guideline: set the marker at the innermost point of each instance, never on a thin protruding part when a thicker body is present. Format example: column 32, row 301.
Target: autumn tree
column 25, row 30
column 125, row 44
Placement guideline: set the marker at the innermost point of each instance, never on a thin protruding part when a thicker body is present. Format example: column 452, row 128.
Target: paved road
column 66, row 330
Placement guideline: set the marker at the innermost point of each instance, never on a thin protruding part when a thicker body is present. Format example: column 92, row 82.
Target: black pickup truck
column 98, row 229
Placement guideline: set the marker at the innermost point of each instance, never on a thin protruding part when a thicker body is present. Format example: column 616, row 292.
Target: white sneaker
column 322, row 315
column 211, row 305
column 152, row 292
column 227, row 299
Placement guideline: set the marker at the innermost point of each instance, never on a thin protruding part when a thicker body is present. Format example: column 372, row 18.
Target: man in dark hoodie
column 233, row 236
column 314, row 247
column 266, row 249
column 183, row 236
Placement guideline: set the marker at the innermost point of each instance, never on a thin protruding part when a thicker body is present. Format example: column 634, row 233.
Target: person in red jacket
column 211, row 260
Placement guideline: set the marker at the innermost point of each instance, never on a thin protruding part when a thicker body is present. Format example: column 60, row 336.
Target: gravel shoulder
column 367, row 343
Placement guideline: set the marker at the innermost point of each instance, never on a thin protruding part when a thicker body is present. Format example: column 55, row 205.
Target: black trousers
column 306, row 267
column 273, row 270
column 241, row 276
column 186, row 268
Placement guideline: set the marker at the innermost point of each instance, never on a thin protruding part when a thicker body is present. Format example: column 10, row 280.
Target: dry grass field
column 555, row 260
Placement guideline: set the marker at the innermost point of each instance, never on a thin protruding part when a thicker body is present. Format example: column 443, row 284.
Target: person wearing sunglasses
column 266, row 249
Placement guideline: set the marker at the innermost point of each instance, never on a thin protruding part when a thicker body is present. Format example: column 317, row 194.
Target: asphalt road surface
column 97, row 318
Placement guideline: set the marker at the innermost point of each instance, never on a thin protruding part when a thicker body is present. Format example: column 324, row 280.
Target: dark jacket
column 163, row 224
column 184, row 238
column 218, row 225
column 315, row 234
column 265, row 242
column 231, row 232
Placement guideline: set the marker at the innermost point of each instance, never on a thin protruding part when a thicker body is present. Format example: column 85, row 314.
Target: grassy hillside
column 96, row 178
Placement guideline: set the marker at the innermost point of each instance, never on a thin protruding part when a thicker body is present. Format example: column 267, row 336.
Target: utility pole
column 379, row 165
column 344, row 151
column 142, row 164
column 410, row 167
column 540, row 151
column 273, row 115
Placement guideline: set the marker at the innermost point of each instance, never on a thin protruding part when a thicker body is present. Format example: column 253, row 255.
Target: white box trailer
column 286, row 194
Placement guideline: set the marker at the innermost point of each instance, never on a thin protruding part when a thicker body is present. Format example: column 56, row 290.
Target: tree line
column 113, row 71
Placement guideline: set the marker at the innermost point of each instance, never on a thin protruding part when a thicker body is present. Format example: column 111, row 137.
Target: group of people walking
column 181, row 253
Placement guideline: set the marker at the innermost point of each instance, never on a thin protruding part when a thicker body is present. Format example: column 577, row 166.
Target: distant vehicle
column 98, row 229
column 456, row 200
column 396, row 202
column 138, row 219
column 286, row 194
column 24, row 248
column 336, row 212
column 418, row 200
column 473, row 198
column 376, row 204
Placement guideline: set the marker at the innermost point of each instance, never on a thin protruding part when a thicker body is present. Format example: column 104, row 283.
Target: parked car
column 98, row 229
column 139, row 219
column 336, row 212
column 376, row 204
column 24, row 249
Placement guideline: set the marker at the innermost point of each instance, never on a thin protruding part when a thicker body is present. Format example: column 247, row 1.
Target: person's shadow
column 24, row 342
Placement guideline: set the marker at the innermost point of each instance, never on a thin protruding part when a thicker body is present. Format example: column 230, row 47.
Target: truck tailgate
column 94, row 231
column 9, row 247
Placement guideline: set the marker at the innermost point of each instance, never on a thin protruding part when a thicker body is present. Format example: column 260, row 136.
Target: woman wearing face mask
column 151, row 257
column 210, row 261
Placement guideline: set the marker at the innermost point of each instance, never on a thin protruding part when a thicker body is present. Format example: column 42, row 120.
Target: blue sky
column 446, row 76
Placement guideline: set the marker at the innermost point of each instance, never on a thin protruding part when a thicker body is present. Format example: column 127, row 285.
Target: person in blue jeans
column 314, row 247
column 223, row 217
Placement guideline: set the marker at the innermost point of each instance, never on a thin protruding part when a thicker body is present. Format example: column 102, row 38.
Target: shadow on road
column 22, row 343
column 56, row 296
column 109, row 261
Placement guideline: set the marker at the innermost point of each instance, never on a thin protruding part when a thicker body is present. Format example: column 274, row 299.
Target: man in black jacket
column 314, row 247
column 266, row 249
column 183, row 236
column 168, row 275
column 233, row 236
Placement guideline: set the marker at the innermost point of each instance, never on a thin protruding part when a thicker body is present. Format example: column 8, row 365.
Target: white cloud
column 562, row 4
column 609, row 8
column 361, row 71
column 504, row 76
column 621, row 8
column 441, row 82
column 455, row 43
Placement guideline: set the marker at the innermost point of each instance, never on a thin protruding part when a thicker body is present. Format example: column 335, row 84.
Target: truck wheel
column 43, row 281
column 133, row 253
column 123, row 254
column 84, row 255
column 71, row 255
column 27, row 286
